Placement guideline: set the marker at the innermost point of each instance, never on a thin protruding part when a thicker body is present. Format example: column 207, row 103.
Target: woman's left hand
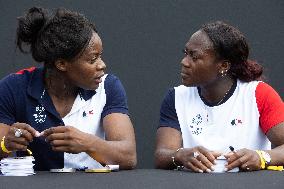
column 245, row 159
column 66, row 139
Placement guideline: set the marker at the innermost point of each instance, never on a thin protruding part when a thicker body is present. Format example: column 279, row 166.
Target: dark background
column 143, row 40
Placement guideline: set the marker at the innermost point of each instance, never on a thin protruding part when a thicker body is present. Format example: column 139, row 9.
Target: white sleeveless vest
column 86, row 116
column 233, row 123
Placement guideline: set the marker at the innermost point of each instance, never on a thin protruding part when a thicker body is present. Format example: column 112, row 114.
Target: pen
column 232, row 149
column 274, row 168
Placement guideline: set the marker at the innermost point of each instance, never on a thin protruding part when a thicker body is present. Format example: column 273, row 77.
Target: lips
column 183, row 75
column 99, row 79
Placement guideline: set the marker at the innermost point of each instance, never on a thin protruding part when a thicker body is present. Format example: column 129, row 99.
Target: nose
column 185, row 62
column 101, row 65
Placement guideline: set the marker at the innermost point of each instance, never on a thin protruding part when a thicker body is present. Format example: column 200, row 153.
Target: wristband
column 4, row 149
column 262, row 161
column 178, row 167
column 275, row 168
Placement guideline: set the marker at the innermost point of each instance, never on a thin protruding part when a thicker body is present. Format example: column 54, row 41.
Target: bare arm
column 169, row 140
column 118, row 148
column 276, row 137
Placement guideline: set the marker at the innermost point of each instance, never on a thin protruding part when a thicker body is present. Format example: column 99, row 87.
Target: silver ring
column 195, row 154
column 18, row 133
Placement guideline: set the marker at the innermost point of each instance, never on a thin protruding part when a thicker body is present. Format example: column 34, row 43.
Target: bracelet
column 275, row 168
column 3, row 147
column 262, row 161
column 178, row 167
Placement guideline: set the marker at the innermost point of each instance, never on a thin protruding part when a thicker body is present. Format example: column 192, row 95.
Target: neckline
column 223, row 100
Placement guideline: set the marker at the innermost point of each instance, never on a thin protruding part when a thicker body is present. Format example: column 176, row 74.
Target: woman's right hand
column 19, row 136
column 198, row 159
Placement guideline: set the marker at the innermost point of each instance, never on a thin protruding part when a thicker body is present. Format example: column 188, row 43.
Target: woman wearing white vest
column 221, row 103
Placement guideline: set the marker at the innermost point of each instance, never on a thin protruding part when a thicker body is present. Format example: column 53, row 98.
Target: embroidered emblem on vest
column 236, row 122
column 84, row 114
column 195, row 126
column 89, row 113
column 39, row 115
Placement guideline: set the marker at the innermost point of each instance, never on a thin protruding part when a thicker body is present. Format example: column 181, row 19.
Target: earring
column 223, row 73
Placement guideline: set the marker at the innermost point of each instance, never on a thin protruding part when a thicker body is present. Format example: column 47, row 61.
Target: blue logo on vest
column 195, row 125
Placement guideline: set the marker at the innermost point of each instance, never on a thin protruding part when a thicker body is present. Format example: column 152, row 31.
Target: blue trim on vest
column 22, row 94
column 168, row 115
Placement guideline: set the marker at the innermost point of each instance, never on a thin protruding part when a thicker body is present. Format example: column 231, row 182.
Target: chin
column 185, row 83
column 188, row 84
column 94, row 87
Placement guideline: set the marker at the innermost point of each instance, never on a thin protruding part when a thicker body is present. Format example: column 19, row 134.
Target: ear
column 61, row 65
column 225, row 65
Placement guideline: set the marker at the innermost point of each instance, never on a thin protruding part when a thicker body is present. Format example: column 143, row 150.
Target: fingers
column 57, row 133
column 245, row 159
column 245, row 166
column 203, row 162
column 19, row 136
column 194, row 167
column 210, row 155
column 20, row 140
column 52, row 130
column 207, row 153
column 63, row 149
column 26, row 127
column 21, row 130
column 57, row 143
column 66, row 139
column 13, row 146
column 216, row 154
column 200, row 160
column 236, row 160
column 57, row 136
column 25, row 135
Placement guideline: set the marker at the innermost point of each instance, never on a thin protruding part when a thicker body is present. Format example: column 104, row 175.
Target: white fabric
column 233, row 123
column 89, row 123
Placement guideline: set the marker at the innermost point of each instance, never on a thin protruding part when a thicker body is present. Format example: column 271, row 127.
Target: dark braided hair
column 230, row 44
column 49, row 38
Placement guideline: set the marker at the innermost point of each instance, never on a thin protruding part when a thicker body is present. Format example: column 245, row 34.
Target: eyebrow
column 193, row 51
column 95, row 53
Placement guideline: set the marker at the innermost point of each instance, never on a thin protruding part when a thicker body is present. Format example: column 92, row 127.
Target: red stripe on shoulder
column 270, row 106
column 31, row 69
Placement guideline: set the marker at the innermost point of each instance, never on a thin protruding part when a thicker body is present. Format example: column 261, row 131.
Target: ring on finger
column 247, row 168
column 18, row 133
column 195, row 154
